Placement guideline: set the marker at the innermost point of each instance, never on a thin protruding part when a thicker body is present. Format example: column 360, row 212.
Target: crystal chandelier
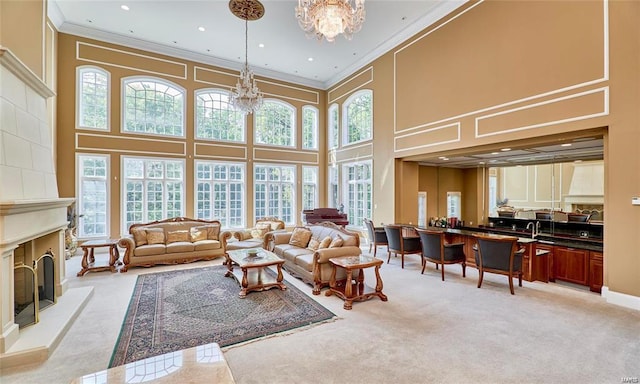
column 329, row 18
column 246, row 97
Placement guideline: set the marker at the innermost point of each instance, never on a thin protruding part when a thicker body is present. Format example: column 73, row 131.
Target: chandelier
column 329, row 18
column 246, row 97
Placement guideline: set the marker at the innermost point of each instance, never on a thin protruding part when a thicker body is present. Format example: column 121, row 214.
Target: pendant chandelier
column 329, row 18
column 246, row 97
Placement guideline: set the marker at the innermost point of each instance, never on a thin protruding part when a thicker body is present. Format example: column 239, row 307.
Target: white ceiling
column 171, row 27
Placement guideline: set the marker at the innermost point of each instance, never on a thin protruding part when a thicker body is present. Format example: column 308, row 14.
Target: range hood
column 587, row 184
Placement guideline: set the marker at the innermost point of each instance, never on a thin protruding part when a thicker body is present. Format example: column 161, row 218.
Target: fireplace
column 33, row 220
column 34, row 285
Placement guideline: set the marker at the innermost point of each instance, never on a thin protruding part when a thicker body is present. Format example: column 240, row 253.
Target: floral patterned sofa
column 173, row 241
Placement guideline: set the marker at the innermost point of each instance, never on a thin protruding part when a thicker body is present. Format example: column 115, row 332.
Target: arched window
column 152, row 106
column 332, row 135
column 358, row 117
column 216, row 118
column 309, row 127
column 92, row 98
column 275, row 124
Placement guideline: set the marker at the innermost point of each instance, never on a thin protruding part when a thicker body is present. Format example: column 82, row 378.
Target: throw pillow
column 245, row 235
column 263, row 225
column 139, row 236
column 258, row 233
column 313, row 244
column 213, row 230
column 300, row 237
column 175, row 236
column 197, row 234
column 325, row 242
column 336, row 242
column 155, row 236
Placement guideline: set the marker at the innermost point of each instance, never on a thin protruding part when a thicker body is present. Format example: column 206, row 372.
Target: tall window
column 358, row 117
column 333, row 126
column 220, row 193
column 216, row 118
column 153, row 190
column 153, row 106
column 309, row 127
column 275, row 192
column 275, row 124
column 92, row 98
column 333, row 187
column 93, row 202
column 309, row 187
column 358, row 191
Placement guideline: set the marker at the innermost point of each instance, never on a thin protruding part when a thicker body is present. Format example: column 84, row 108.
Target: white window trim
column 316, row 183
column 294, row 119
column 294, row 183
column 108, row 189
column 335, row 169
column 335, row 132
column 244, row 191
column 315, row 130
column 343, row 188
column 79, row 71
column 343, row 121
column 123, row 103
column 123, row 186
column 195, row 118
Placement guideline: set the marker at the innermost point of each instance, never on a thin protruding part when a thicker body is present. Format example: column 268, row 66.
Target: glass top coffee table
column 252, row 275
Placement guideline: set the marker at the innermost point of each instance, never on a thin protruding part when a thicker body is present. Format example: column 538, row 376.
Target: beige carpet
column 428, row 331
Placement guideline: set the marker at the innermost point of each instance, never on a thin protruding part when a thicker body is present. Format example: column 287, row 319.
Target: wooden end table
column 351, row 291
column 251, row 275
column 88, row 257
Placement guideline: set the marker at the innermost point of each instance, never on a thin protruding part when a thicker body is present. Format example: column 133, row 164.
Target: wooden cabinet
column 469, row 242
column 596, row 267
column 571, row 264
column 542, row 265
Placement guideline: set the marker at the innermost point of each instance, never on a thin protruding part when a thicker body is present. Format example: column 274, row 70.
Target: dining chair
column 499, row 254
column 436, row 250
column 401, row 244
column 377, row 236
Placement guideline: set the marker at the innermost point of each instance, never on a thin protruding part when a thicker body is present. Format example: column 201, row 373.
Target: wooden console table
column 351, row 291
column 88, row 257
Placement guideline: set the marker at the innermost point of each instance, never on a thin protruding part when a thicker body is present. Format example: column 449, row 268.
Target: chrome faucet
column 533, row 227
column 537, row 228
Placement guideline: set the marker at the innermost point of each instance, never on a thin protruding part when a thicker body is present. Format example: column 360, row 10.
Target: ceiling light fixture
column 329, row 18
column 246, row 97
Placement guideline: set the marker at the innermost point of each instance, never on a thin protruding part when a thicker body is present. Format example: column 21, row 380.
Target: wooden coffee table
column 351, row 291
column 252, row 276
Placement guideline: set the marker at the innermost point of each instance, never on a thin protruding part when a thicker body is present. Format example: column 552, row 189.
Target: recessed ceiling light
column 310, row 59
column 124, row 7
column 261, row 45
column 445, row 158
column 201, row 29
column 578, row 161
column 565, row 145
column 505, row 149
column 495, row 153
column 481, row 162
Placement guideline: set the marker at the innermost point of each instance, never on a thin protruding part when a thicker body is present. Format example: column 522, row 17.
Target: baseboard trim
column 621, row 299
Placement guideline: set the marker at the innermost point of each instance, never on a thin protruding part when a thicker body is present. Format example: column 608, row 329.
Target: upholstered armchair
column 499, row 254
column 400, row 244
column 377, row 236
column 436, row 250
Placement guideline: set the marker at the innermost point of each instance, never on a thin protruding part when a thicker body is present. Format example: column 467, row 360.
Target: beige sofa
column 308, row 259
column 254, row 237
column 173, row 241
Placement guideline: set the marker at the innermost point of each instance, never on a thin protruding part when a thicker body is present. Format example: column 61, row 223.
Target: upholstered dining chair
column 436, row 250
column 377, row 236
column 499, row 254
column 400, row 244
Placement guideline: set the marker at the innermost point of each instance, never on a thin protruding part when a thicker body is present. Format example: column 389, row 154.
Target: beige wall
column 22, row 25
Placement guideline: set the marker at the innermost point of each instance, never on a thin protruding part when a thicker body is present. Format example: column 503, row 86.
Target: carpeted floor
column 174, row 310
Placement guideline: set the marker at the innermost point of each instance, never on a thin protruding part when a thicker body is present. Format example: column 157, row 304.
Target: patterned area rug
column 170, row 311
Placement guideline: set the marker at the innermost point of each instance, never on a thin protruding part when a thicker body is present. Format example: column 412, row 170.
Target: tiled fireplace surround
column 30, row 212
